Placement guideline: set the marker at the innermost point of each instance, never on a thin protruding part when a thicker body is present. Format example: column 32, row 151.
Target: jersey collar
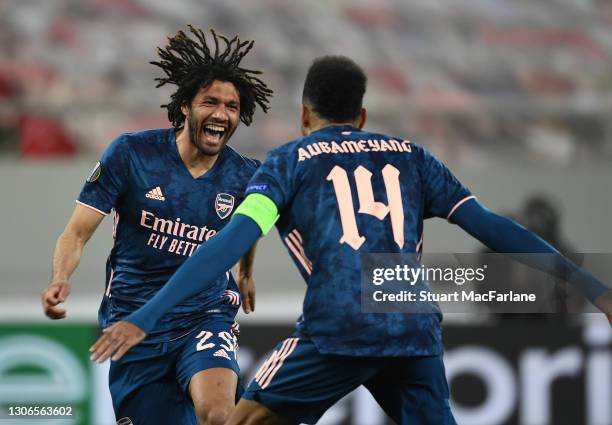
column 337, row 128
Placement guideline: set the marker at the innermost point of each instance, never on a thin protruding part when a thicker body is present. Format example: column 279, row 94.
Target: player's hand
column 236, row 329
column 116, row 341
column 604, row 303
column 246, row 284
column 55, row 294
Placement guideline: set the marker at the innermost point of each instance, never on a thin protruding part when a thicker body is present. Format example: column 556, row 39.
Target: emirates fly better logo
column 224, row 204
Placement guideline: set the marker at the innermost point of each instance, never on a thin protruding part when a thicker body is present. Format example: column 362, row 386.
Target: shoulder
column 284, row 158
column 242, row 162
column 407, row 145
column 290, row 149
column 419, row 154
column 424, row 155
column 419, row 150
column 143, row 143
column 135, row 139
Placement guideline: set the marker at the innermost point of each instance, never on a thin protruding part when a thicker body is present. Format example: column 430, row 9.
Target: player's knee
column 213, row 415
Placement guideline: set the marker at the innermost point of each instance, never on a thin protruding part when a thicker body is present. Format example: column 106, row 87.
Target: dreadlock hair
column 334, row 87
column 191, row 65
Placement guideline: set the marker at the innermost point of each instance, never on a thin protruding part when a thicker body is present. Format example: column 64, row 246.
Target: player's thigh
column 413, row 390
column 143, row 388
column 206, row 366
column 299, row 384
column 157, row 403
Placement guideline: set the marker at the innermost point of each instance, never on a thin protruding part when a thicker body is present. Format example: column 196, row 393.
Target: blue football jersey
column 342, row 192
column 161, row 215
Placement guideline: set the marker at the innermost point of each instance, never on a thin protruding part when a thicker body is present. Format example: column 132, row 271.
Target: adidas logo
column 221, row 353
column 155, row 194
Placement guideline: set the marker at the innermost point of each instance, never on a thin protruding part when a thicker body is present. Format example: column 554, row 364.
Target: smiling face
column 212, row 117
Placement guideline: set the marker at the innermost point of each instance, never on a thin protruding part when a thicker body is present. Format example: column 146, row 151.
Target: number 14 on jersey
column 367, row 205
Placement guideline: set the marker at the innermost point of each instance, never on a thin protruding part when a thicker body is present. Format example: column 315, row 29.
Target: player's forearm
column 66, row 256
column 245, row 265
column 506, row 236
column 69, row 246
column 198, row 273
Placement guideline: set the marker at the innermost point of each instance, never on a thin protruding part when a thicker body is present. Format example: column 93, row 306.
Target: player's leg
column 213, row 392
column 297, row 384
column 249, row 412
column 159, row 402
column 413, row 390
column 143, row 388
column 207, row 371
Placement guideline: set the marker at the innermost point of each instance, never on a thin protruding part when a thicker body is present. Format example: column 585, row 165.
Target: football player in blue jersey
column 325, row 192
column 171, row 190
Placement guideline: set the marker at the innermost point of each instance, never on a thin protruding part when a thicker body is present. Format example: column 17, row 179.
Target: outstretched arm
column 209, row 261
column 66, row 258
column 196, row 274
column 254, row 217
column 506, row 236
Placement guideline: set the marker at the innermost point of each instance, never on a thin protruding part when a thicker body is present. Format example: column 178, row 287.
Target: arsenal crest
column 224, row 204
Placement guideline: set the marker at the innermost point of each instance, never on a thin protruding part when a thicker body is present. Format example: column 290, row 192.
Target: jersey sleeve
column 108, row 180
column 274, row 178
column 444, row 193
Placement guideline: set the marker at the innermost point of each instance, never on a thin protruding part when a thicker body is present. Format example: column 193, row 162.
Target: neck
column 319, row 124
column 196, row 162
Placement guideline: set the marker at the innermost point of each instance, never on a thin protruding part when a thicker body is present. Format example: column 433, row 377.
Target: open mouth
column 214, row 132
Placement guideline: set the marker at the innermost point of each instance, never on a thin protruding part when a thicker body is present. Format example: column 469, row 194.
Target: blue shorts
column 300, row 384
column 150, row 384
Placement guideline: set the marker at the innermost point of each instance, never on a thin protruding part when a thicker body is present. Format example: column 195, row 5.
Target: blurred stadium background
column 515, row 96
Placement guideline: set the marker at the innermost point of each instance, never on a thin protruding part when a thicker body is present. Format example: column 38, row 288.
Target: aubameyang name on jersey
column 352, row 146
column 176, row 227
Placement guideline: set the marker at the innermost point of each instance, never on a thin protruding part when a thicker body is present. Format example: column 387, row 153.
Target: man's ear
column 185, row 109
column 305, row 120
column 363, row 116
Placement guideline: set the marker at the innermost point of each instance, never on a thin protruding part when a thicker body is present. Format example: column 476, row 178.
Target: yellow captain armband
column 261, row 209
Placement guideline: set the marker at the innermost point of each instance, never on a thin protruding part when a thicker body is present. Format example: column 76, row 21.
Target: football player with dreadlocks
column 171, row 190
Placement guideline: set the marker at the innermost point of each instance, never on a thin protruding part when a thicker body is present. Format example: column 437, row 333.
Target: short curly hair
column 334, row 87
column 190, row 65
